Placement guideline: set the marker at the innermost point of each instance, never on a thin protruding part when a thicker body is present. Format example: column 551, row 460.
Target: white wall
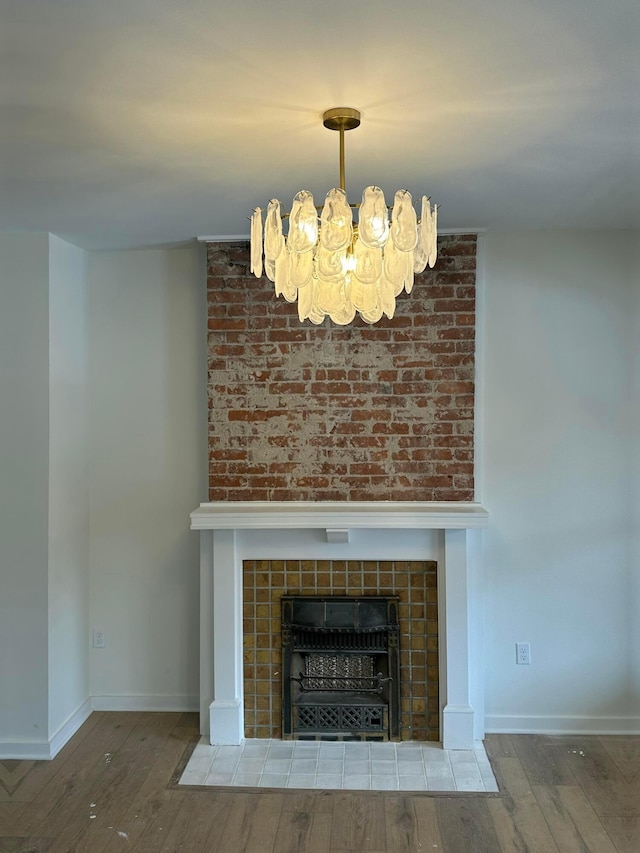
column 147, row 330
column 68, row 485
column 24, row 425
column 635, row 471
column 556, row 451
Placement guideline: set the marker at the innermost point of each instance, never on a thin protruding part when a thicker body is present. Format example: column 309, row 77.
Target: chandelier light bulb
column 334, row 266
column 348, row 263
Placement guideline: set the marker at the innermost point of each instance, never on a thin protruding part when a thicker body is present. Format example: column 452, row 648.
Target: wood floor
column 113, row 788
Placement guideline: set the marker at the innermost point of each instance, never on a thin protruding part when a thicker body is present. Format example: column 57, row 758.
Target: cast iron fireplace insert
column 341, row 667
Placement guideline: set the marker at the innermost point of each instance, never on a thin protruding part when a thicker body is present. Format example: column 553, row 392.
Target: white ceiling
column 131, row 123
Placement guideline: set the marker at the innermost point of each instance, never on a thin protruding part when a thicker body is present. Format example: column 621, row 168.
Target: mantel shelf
column 286, row 515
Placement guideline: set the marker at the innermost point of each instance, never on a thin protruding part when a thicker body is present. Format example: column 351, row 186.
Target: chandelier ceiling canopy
column 334, row 264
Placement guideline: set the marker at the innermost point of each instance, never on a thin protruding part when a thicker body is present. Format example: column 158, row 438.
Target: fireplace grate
column 341, row 718
column 338, row 672
column 341, row 671
column 344, row 639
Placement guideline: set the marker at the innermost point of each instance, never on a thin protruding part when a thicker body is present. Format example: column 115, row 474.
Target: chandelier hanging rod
column 341, row 119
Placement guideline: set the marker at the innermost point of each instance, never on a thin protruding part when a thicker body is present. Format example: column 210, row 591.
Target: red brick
column 468, row 290
column 455, row 387
column 347, row 428
column 287, row 388
column 227, row 455
column 446, row 306
column 455, row 334
column 370, row 441
column 287, row 335
column 456, row 249
column 330, row 388
column 465, row 401
column 393, row 428
column 465, row 319
column 367, row 468
column 282, row 467
column 367, row 414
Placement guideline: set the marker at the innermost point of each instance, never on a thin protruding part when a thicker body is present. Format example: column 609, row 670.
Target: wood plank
column 34, row 775
column 520, row 826
column 358, row 821
column 130, row 819
column 149, row 747
column 306, row 801
column 573, row 823
column 624, row 833
column 84, row 837
column 158, row 825
column 264, row 831
column 624, row 751
column 73, row 781
column 513, row 778
column 518, row 819
column 252, row 823
column 87, row 822
column 465, row 825
column 604, row 785
column 25, row 845
column 300, row 832
column 499, row 746
column 190, row 720
column 199, row 821
column 411, row 824
column 12, row 776
column 545, row 761
column 504, row 769
column 11, row 816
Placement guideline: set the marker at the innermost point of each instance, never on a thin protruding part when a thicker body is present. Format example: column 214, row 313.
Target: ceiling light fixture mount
column 334, row 266
column 341, row 118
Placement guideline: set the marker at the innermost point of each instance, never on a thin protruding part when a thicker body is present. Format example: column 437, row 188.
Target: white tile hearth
column 406, row 766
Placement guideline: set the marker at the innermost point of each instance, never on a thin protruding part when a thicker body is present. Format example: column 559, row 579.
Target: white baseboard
column 46, row 750
column 25, row 750
column 558, row 725
column 70, row 727
column 147, row 702
column 458, row 727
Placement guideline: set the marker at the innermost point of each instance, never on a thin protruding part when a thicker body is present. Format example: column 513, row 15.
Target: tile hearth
column 357, row 766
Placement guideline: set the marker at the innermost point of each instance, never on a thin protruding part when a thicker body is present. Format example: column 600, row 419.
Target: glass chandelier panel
column 334, row 266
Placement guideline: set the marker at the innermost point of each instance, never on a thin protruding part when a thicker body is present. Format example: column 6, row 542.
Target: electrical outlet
column 523, row 653
column 99, row 640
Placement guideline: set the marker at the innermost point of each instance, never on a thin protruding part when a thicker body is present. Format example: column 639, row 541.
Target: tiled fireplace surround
column 414, row 582
column 258, row 549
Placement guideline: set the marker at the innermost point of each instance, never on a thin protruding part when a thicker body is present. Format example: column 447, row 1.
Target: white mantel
column 446, row 532
column 307, row 514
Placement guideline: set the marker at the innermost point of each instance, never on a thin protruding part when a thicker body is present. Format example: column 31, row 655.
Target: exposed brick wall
column 303, row 412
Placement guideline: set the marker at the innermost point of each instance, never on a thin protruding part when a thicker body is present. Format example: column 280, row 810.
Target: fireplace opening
column 414, row 583
column 340, row 667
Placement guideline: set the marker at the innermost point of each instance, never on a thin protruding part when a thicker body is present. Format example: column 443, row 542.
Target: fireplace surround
column 442, row 531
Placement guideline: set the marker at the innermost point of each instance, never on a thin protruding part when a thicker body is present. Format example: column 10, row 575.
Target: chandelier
column 335, row 266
